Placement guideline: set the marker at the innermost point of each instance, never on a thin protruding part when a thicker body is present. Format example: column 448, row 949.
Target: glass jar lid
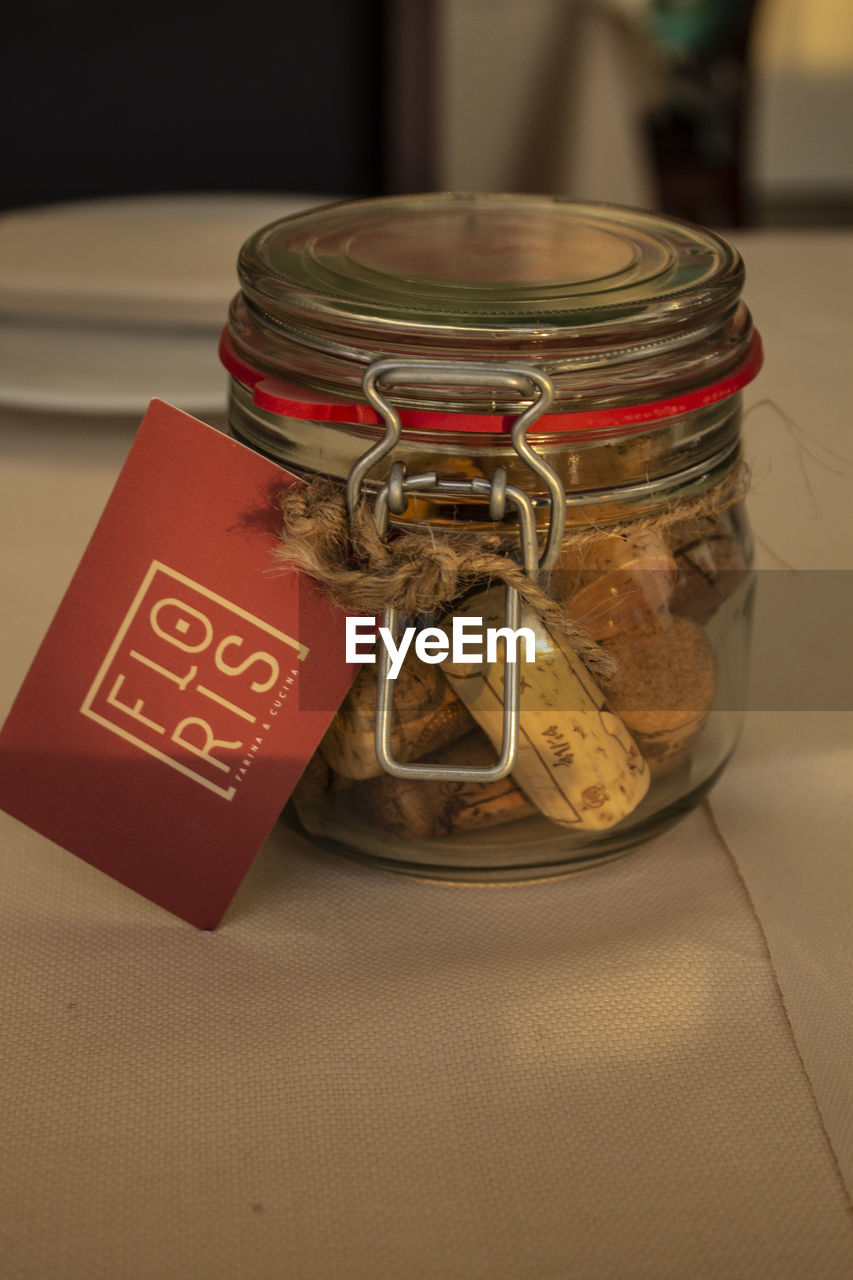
column 616, row 305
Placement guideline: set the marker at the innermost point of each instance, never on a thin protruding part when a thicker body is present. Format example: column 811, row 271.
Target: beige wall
column 537, row 95
column 803, row 125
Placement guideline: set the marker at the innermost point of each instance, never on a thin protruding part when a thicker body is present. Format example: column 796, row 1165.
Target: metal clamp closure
column 499, row 493
column 393, row 498
column 525, row 379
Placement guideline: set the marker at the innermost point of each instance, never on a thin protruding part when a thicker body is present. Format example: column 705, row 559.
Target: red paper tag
column 166, row 717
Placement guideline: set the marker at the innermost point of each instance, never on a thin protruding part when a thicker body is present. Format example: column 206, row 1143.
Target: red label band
column 290, row 401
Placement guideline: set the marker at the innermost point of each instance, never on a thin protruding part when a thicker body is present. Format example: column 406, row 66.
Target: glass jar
column 560, row 382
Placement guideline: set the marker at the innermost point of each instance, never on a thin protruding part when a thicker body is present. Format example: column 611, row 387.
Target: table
column 639, row 1071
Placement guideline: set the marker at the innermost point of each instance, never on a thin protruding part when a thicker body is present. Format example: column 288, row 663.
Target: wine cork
column 709, row 570
column 615, row 584
column 426, row 715
column 576, row 760
column 663, row 689
column 316, row 780
column 418, row 809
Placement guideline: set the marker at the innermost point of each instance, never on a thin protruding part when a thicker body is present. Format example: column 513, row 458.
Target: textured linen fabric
column 795, row 852
column 363, row 1075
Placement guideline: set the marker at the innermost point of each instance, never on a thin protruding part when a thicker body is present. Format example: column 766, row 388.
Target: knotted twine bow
column 419, row 571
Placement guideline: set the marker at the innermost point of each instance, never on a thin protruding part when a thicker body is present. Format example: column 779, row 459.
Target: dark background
column 328, row 97
column 163, row 97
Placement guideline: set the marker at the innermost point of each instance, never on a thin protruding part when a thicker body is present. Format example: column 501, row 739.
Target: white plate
column 108, row 303
column 62, row 369
column 164, row 260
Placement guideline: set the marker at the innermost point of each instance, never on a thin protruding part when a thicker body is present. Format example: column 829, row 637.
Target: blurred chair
column 698, row 126
column 634, row 101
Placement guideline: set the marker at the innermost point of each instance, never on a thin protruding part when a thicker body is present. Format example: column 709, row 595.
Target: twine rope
column 418, row 570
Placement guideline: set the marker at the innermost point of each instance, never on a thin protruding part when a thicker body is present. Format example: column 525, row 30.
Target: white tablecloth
column 639, row 1071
